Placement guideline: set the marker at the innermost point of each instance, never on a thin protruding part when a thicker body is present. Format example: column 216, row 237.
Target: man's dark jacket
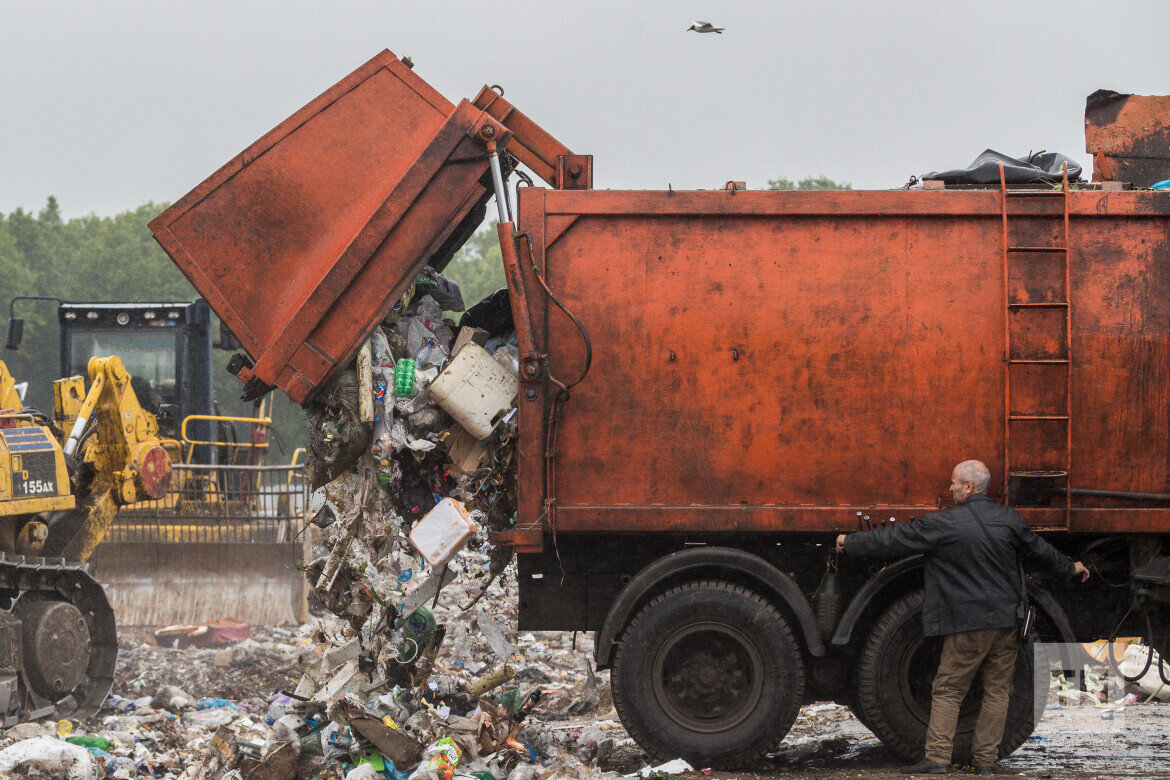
column 966, row 589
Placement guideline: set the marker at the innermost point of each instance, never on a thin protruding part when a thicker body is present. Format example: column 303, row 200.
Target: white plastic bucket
column 475, row 390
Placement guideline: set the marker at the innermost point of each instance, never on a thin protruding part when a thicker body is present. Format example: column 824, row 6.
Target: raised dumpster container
column 304, row 240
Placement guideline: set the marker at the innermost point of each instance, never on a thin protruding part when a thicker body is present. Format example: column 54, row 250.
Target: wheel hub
column 56, row 647
column 708, row 677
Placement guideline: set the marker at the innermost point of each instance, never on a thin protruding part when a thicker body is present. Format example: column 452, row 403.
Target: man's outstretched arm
column 913, row 538
column 1053, row 559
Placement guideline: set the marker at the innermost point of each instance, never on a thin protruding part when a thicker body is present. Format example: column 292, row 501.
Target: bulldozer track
column 31, row 588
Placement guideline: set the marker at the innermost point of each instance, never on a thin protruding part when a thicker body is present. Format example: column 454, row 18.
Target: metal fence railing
column 229, row 504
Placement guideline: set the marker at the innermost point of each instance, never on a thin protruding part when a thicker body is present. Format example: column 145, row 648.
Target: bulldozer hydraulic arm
column 9, row 398
column 114, row 434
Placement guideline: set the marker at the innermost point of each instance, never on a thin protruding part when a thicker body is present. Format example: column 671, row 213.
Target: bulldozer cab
column 166, row 347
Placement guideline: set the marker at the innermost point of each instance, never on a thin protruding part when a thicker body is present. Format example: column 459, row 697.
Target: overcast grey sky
column 110, row 104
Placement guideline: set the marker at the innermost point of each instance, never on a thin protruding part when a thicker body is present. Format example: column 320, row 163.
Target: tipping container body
column 787, row 360
column 304, row 240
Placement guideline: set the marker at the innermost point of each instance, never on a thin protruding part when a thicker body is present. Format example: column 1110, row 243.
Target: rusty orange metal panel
column 777, row 361
column 1128, row 136
column 535, row 147
column 303, row 241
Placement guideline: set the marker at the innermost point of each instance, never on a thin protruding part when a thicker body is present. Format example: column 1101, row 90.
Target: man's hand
column 841, row 544
column 1081, row 571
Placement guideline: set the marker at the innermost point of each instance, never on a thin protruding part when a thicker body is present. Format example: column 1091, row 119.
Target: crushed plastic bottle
column 212, row 718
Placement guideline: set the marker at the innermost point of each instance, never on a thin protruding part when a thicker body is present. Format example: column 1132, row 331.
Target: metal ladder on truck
column 1034, row 372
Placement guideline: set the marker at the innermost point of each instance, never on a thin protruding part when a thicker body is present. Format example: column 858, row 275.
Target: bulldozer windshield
column 149, row 356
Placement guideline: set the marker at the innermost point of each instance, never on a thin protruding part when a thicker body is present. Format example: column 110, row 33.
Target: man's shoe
column 925, row 767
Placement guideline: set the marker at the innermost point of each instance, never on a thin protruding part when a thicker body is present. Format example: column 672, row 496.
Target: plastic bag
column 427, row 338
column 401, row 439
column 337, row 436
column 508, row 356
column 493, row 314
column 363, row 772
column 1035, row 168
column 382, row 369
column 211, row 719
column 408, row 405
column 444, row 291
column 439, row 760
column 47, row 757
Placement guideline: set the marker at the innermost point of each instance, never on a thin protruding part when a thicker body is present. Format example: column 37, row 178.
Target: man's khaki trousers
column 993, row 653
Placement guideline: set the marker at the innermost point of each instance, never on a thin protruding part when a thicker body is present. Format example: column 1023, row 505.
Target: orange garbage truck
column 713, row 384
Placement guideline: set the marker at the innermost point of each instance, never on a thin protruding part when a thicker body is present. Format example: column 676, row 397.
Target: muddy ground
column 1069, row 743
column 826, row 741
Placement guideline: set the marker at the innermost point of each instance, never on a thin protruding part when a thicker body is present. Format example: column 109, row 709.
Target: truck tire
column 858, row 713
column 894, row 676
column 710, row 672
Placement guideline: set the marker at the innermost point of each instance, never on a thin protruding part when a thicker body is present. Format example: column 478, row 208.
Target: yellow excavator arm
column 123, row 461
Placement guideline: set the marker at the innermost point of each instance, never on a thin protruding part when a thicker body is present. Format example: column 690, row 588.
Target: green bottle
column 510, row 700
column 100, row 743
column 417, row 630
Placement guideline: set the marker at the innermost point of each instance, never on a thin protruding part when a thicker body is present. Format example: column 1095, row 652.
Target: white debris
column 45, row 758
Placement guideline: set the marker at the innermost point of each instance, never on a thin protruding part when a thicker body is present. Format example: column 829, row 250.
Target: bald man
column 973, row 597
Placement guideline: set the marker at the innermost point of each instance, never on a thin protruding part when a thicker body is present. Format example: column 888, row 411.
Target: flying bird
column 706, row 27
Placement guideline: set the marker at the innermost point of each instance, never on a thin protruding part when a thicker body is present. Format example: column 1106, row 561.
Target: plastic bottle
column 101, row 743
column 529, row 704
column 417, row 630
column 275, row 713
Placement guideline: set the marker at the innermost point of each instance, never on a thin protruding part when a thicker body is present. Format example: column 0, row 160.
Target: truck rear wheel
column 710, row 672
column 894, row 677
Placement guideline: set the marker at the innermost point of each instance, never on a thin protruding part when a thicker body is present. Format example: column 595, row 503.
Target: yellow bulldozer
column 224, row 540
column 62, row 481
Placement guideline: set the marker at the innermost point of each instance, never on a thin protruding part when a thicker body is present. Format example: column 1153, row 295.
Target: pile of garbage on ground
column 234, row 712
